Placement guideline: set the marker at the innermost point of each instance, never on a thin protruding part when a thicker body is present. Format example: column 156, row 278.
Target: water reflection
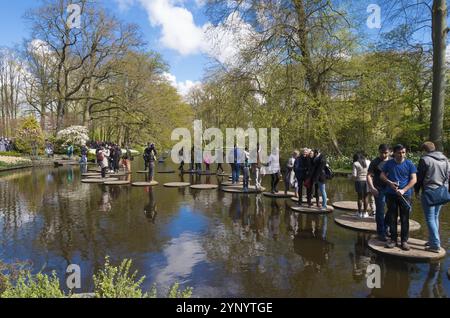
column 360, row 258
column 150, row 210
column 310, row 240
column 226, row 245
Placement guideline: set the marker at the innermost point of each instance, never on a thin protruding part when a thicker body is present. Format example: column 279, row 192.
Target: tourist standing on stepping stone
column 181, row 158
column 274, row 170
column 319, row 178
column 400, row 175
column 70, row 151
column 126, row 160
column 433, row 173
column 256, row 166
column 302, row 169
column 191, row 165
column 152, row 155
column 290, row 171
column 146, row 156
column 246, row 169
column 116, row 159
column 360, row 169
column 237, row 159
column 102, row 160
column 378, row 189
column 220, row 157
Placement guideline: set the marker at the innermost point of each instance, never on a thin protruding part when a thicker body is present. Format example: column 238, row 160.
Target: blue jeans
column 432, row 219
column 321, row 187
column 380, row 203
column 236, row 172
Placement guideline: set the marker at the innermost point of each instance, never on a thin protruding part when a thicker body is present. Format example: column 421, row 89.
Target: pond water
column 222, row 245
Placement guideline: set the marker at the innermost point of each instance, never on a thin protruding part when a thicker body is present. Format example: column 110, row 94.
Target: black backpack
column 329, row 174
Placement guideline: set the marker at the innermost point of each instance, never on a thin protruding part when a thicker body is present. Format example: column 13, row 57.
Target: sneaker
column 432, row 249
column 390, row 244
column 382, row 238
column 358, row 215
column 366, row 215
column 405, row 246
column 427, row 244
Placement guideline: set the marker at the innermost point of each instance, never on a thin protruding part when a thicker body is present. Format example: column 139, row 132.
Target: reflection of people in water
column 361, row 258
column 274, row 219
column 151, row 209
column 105, row 201
column 70, row 175
column 310, row 241
column 432, row 287
column 259, row 222
column 245, row 201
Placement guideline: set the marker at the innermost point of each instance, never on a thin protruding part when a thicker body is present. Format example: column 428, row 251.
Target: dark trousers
column 275, row 178
column 301, row 180
column 396, row 206
column 104, row 172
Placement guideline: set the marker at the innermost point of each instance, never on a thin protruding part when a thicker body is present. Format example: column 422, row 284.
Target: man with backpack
column 151, row 154
column 433, row 178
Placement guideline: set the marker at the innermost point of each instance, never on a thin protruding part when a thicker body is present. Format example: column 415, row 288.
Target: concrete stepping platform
column 346, row 205
column 145, row 184
column 352, row 221
column 98, row 180
column 230, row 184
column 305, row 200
column 279, row 195
column 416, row 253
column 116, row 183
column 142, row 172
column 91, row 174
column 204, row 186
column 167, row 172
column 240, row 190
column 177, row 184
column 312, row 210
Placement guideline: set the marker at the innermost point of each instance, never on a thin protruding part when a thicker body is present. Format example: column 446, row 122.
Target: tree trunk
column 439, row 34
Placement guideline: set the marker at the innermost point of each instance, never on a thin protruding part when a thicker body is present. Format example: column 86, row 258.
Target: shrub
column 118, row 282
column 175, row 292
column 75, row 135
column 29, row 286
column 28, row 133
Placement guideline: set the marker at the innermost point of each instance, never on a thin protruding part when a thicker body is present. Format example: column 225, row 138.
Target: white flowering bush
column 75, row 135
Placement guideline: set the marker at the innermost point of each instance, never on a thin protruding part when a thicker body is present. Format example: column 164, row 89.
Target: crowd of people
column 392, row 179
column 110, row 157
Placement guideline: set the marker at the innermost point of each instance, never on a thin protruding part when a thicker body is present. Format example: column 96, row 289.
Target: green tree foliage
column 29, row 134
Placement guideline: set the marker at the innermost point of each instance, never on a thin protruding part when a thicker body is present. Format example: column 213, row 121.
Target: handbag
column 437, row 196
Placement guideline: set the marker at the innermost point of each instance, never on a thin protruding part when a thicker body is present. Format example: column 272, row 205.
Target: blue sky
column 185, row 56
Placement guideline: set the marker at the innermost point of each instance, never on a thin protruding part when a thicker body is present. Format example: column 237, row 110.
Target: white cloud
column 179, row 31
column 183, row 88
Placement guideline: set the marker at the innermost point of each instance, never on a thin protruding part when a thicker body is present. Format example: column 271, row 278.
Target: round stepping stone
column 305, row 200
column 120, row 174
column 352, row 221
column 170, row 171
column 142, row 172
column 97, row 176
column 279, row 195
column 92, row 174
column 116, row 183
column 239, row 189
column 204, row 186
column 417, row 250
column 145, row 184
column 99, row 180
column 94, row 170
column 346, row 205
column 206, row 173
column 230, row 184
column 177, row 184
column 312, row 210
column 223, row 174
